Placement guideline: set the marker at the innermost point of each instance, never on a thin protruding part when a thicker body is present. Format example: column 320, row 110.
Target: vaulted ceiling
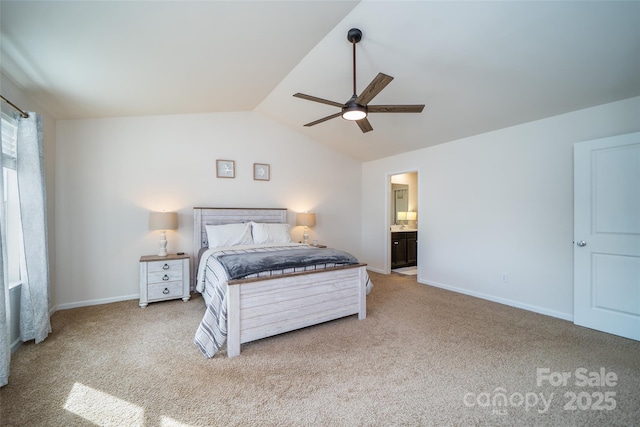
column 477, row 66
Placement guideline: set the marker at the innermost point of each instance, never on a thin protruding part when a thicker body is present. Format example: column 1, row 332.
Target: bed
column 244, row 305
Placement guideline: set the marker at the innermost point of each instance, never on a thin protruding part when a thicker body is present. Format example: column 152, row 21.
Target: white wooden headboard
column 219, row 216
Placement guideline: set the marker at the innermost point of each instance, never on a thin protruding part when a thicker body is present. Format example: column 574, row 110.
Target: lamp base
column 162, row 251
column 305, row 235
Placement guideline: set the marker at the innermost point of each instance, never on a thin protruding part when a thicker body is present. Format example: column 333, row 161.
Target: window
column 11, row 201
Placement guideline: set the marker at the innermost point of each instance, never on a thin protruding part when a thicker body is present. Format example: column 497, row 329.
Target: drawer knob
column 165, row 267
column 165, row 278
column 166, row 291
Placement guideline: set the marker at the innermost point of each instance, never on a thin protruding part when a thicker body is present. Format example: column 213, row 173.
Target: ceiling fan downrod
column 354, row 36
column 353, row 111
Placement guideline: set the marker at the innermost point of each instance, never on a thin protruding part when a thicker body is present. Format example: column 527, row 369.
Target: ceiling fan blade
column 364, row 124
column 374, row 88
column 324, row 119
column 320, row 100
column 395, row 108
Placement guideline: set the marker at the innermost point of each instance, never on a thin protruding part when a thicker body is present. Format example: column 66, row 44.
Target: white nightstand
column 163, row 278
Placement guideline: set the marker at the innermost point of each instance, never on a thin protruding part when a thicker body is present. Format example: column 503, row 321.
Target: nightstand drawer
column 164, row 290
column 164, row 276
column 169, row 265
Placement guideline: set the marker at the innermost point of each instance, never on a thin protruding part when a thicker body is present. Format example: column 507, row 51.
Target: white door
column 607, row 235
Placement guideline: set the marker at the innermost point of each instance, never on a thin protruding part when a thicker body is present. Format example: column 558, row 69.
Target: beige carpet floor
column 423, row 356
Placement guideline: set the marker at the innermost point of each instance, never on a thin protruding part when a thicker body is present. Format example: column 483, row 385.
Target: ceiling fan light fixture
column 354, row 112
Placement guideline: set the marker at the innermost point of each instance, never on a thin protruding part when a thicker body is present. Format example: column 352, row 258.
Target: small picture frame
column 261, row 172
column 225, row 169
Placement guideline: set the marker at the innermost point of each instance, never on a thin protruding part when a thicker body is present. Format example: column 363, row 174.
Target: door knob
column 581, row 243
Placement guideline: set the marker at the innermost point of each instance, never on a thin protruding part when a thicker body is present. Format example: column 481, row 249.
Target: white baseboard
column 93, row 302
column 505, row 301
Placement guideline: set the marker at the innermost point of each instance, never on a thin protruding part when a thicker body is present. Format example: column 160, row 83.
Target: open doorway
column 403, row 223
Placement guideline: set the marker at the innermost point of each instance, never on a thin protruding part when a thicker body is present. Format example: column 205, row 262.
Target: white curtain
column 34, row 302
column 5, row 344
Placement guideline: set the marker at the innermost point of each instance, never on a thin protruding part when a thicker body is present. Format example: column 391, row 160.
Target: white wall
column 500, row 202
column 111, row 172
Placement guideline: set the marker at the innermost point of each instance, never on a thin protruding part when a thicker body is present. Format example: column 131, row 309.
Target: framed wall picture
column 261, row 172
column 225, row 169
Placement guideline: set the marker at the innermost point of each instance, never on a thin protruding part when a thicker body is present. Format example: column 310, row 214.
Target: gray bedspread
column 244, row 264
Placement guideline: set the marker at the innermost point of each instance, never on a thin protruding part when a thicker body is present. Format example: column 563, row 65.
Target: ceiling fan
column 357, row 108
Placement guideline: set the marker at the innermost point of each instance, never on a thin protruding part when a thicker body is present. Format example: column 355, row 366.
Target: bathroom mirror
column 400, row 200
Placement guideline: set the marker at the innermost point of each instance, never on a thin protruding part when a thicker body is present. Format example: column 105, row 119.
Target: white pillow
column 229, row 235
column 270, row 233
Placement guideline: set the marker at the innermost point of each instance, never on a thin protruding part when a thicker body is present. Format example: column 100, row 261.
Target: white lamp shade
column 412, row 216
column 402, row 216
column 307, row 219
column 163, row 221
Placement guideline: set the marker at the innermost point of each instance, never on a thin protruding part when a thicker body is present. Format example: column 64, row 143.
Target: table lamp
column 306, row 219
column 163, row 221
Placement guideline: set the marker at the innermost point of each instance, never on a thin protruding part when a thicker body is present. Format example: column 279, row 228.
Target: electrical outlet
column 504, row 277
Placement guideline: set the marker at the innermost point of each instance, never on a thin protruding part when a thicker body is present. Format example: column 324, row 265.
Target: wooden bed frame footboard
column 262, row 308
